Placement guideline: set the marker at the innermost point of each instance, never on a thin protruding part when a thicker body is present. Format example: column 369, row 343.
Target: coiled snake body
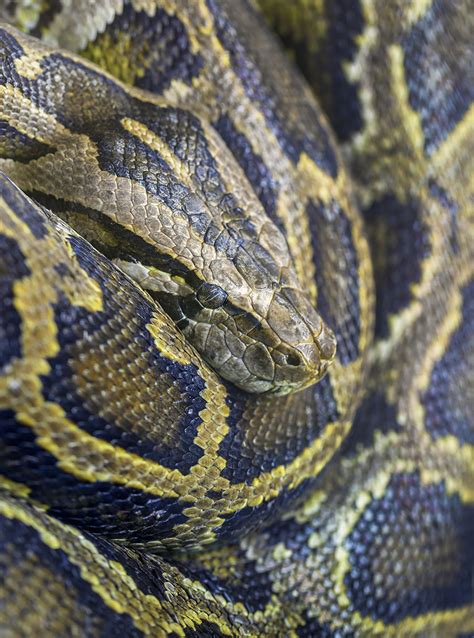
column 184, row 451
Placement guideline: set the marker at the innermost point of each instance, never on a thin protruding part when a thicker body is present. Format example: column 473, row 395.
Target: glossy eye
column 292, row 360
column 211, row 296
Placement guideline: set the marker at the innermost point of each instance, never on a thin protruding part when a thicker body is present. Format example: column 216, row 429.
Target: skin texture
column 163, row 194
column 139, row 489
column 202, row 437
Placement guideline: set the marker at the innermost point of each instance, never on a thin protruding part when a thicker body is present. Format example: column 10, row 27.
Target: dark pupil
column 292, row 360
column 211, row 296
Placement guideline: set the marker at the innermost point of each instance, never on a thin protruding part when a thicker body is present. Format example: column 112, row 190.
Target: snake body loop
column 235, row 346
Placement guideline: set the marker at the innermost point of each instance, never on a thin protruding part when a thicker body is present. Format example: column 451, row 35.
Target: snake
column 236, row 328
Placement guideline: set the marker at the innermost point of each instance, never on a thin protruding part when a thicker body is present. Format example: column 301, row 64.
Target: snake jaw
column 282, row 347
column 311, row 362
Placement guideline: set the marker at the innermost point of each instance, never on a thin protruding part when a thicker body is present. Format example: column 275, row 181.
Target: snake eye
column 292, row 360
column 211, row 296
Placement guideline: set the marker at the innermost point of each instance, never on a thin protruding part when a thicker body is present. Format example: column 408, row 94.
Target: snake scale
column 236, row 328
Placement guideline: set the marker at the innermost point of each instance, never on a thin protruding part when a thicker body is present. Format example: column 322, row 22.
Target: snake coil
column 185, row 236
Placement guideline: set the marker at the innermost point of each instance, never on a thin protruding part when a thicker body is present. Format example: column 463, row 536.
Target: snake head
column 155, row 188
column 284, row 348
column 306, row 346
column 257, row 331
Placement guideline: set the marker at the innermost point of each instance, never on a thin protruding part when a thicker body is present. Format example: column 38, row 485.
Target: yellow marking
column 356, row 73
column 455, row 466
column 414, row 10
column 326, row 188
column 83, row 291
column 14, row 511
column 454, row 158
column 438, row 346
column 374, row 488
column 249, row 120
column 17, row 489
column 29, row 66
column 77, row 453
column 307, row 464
column 177, row 350
column 434, row 267
column 111, row 582
column 440, row 622
column 348, row 518
column 35, row 293
column 179, row 280
column 440, row 342
column 312, row 506
column 321, row 185
column 302, row 20
column 26, row 17
column 114, row 55
column 396, row 141
column 410, row 119
column 42, row 335
column 281, row 552
column 154, row 141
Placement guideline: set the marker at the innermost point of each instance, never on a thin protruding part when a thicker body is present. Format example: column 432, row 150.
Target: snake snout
column 308, row 345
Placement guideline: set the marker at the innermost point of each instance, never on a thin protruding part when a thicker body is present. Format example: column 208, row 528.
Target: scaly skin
column 122, row 449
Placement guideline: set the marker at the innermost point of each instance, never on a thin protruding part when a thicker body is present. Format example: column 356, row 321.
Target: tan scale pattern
column 294, row 573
